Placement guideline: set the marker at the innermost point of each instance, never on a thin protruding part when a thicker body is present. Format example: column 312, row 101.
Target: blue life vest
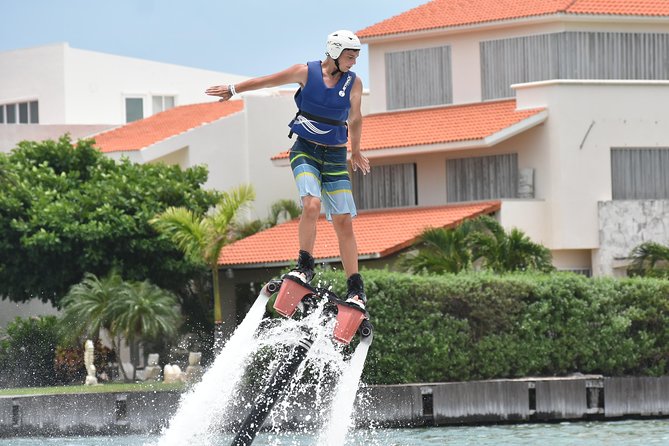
column 322, row 111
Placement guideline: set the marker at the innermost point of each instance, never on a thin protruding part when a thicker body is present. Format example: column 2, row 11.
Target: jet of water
column 202, row 408
column 341, row 413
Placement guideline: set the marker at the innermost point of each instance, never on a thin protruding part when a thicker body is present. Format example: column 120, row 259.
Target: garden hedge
column 483, row 326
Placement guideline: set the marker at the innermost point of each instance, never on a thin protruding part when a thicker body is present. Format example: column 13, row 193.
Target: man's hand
column 360, row 161
column 223, row 91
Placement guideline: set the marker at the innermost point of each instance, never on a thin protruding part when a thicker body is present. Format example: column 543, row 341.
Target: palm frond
column 185, row 229
column 649, row 258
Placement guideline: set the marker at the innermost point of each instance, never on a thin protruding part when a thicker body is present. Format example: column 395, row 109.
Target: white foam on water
column 208, row 407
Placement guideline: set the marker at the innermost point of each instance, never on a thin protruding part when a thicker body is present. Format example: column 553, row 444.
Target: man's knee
column 343, row 224
column 311, row 207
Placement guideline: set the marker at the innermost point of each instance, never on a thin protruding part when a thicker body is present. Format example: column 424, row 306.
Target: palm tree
column 134, row 311
column 145, row 312
column 86, row 306
column 201, row 237
column 441, row 251
column 650, row 259
column 500, row 251
column 481, row 240
column 283, row 210
column 280, row 211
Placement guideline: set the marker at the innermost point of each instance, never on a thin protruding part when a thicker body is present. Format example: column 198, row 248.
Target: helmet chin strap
column 336, row 61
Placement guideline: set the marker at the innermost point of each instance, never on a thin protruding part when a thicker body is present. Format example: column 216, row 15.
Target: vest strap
column 315, row 118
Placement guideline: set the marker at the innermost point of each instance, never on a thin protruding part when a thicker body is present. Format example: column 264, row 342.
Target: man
column 329, row 111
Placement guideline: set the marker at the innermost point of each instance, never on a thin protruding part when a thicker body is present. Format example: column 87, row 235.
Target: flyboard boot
column 351, row 314
column 295, row 286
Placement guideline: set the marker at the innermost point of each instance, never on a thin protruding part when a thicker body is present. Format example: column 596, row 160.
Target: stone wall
column 625, row 224
column 479, row 402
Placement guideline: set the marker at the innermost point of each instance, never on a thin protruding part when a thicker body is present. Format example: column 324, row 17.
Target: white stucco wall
column 465, row 55
column 93, row 79
column 622, row 114
column 36, row 74
column 75, row 86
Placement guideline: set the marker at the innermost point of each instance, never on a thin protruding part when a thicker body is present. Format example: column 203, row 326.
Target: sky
column 244, row 37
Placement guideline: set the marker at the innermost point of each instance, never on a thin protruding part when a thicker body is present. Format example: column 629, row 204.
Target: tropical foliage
column 202, row 236
column 66, row 209
column 282, row 210
column 134, row 311
column 480, row 243
column 650, row 259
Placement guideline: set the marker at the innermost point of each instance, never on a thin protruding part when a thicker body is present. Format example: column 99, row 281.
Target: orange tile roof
column 438, row 125
column 378, row 234
column 452, row 13
column 145, row 132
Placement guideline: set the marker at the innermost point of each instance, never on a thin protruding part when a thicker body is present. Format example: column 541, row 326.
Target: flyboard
column 294, row 295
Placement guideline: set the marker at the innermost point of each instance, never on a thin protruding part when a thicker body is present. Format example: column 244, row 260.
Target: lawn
column 112, row 387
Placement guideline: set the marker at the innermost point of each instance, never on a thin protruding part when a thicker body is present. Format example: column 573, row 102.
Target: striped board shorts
column 321, row 171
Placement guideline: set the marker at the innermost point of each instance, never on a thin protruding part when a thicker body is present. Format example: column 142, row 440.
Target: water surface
column 619, row 433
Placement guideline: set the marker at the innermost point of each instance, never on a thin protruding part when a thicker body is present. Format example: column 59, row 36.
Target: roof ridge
column 571, row 3
column 441, row 106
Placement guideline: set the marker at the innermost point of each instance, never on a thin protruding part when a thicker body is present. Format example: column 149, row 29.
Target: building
column 586, row 182
column 55, row 89
column 557, row 110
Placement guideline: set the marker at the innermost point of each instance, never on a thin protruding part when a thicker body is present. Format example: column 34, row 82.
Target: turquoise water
column 620, row 433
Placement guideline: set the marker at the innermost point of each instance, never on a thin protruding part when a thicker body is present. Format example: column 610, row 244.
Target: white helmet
column 339, row 41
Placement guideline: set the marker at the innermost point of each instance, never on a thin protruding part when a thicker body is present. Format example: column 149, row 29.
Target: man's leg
column 348, row 248
column 311, row 210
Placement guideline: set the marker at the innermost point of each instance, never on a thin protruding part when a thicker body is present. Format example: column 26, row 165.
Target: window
column 20, row 112
column 418, row 78
column 23, row 113
column 482, row 178
column 640, row 173
column 387, row 187
column 134, row 109
column 34, row 112
column 162, row 103
column 571, row 55
column 11, row 113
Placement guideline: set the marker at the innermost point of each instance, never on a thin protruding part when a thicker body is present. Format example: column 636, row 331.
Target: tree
column 201, row 237
column 481, row 241
column 650, row 259
column 441, row 251
column 281, row 210
column 500, row 251
column 135, row 311
column 71, row 210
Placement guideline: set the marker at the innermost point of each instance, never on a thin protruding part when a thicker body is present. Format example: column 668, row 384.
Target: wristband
column 231, row 89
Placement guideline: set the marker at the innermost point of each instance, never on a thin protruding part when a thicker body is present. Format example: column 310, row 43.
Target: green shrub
column 485, row 326
column 27, row 352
